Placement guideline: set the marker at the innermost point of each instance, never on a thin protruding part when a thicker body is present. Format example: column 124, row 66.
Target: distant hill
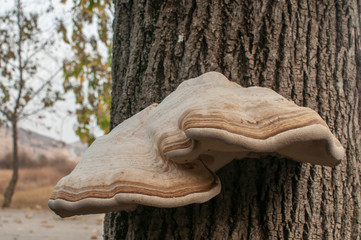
column 37, row 145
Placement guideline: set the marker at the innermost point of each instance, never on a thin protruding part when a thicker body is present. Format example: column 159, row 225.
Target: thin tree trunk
column 308, row 51
column 9, row 192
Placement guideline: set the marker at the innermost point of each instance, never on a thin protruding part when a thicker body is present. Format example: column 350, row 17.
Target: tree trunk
column 9, row 192
column 308, row 51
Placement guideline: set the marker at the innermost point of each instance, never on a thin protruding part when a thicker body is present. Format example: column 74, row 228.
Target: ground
column 33, row 224
column 30, row 218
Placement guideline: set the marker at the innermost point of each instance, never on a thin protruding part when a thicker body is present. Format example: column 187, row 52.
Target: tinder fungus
column 167, row 154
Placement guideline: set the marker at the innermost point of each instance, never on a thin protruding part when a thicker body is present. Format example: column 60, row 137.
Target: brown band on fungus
column 166, row 155
column 258, row 130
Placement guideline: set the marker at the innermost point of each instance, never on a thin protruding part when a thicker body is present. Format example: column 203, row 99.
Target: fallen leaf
column 48, row 225
column 29, row 215
column 17, row 220
column 100, row 221
column 38, row 207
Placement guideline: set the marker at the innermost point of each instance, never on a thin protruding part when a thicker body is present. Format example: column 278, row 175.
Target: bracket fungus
column 167, row 154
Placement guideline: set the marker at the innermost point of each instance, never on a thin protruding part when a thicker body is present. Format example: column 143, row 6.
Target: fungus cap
column 166, row 155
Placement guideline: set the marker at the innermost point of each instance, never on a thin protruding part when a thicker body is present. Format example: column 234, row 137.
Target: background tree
column 87, row 71
column 308, row 51
column 23, row 90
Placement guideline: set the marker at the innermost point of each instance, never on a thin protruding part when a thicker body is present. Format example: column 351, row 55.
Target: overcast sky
column 59, row 124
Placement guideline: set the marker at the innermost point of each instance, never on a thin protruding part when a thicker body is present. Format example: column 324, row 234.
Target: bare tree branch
column 25, row 115
column 35, row 93
column 33, row 54
column 7, row 114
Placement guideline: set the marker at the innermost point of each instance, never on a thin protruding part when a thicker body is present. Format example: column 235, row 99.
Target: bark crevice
column 308, row 52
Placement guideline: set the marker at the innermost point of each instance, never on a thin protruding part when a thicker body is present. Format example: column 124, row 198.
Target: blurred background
column 55, row 93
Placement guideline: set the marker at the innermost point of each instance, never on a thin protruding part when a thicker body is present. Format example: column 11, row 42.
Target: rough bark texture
column 308, row 51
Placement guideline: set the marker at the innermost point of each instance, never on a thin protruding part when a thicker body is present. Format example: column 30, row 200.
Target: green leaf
column 88, row 72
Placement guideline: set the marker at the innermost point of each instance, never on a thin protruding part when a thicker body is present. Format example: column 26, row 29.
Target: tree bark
column 9, row 192
column 308, row 51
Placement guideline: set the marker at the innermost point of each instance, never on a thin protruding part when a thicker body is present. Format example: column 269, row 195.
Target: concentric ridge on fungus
column 166, row 155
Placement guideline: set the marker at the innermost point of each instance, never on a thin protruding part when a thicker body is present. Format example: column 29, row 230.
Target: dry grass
column 33, row 188
column 36, row 198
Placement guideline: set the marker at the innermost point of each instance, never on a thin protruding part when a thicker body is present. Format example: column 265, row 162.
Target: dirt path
column 18, row 224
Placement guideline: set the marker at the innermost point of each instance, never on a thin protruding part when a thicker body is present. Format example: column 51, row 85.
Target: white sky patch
column 59, row 122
